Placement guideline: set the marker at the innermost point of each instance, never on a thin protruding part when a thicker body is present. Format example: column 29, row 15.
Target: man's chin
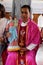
column 24, row 20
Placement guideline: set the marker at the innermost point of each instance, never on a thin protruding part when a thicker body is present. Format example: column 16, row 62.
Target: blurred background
column 12, row 8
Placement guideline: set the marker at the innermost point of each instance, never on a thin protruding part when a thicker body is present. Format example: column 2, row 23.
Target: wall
column 36, row 6
column 35, row 16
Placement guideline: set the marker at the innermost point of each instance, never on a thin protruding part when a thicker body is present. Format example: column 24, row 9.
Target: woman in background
column 3, row 42
column 39, row 55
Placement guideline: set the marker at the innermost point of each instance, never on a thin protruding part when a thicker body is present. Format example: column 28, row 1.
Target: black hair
column 26, row 6
column 2, row 11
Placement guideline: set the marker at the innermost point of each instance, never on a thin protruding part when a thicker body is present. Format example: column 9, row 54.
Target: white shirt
column 3, row 22
column 40, row 21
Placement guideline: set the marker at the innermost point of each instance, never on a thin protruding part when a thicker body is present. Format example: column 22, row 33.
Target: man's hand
column 23, row 49
column 21, row 44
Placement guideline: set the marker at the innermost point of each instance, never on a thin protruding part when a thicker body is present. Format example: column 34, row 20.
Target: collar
column 24, row 24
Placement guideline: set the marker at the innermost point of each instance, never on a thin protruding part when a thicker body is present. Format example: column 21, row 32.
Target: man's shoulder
column 33, row 22
column 33, row 25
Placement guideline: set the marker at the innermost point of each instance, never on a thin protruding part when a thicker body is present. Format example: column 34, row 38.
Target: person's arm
column 31, row 46
column 35, row 39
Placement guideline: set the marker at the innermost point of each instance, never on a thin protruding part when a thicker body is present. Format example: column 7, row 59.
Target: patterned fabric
column 21, row 59
column 22, row 35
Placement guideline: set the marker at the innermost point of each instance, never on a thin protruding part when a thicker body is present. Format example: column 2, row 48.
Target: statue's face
column 25, row 14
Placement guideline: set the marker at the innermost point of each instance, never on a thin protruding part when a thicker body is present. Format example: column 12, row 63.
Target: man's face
column 25, row 14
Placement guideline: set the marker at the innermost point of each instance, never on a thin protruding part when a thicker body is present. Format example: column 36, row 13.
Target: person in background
column 40, row 21
column 28, row 39
column 3, row 42
column 39, row 55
